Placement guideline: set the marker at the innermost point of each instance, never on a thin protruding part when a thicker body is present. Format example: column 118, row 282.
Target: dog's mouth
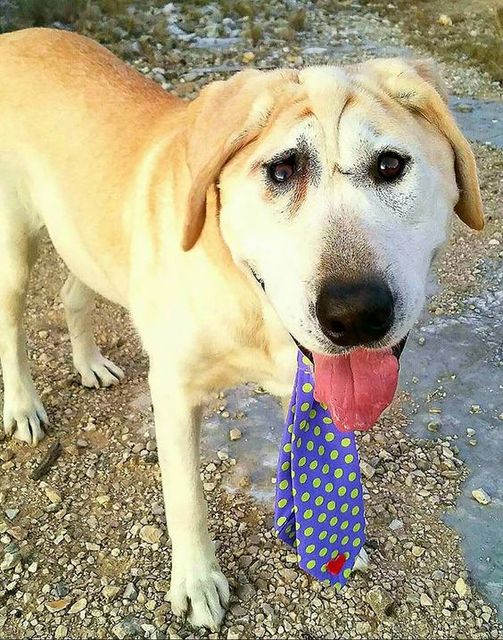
column 356, row 386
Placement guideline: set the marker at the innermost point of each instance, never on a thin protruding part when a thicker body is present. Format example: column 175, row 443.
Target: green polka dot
column 344, row 507
column 348, row 459
column 283, row 484
column 291, row 535
column 293, row 409
column 333, row 521
column 293, row 474
column 297, row 526
column 282, row 503
column 303, row 424
column 290, row 428
column 319, row 501
column 294, row 491
column 323, row 552
column 317, row 430
column 281, row 521
column 308, row 513
column 342, row 491
column 308, row 532
column 321, row 450
column 330, row 437
column 311, row 564
column 335, row 553
column 287, row 448
column 354, row 493
column 323, row 406
column 316, row 483
column 329, row 487
column 356, row 542
column 322, row 535
column 299, row 442
column 305, row 496
column 325, row 468
column 352, row 476
column 345, row 442
column 333, row 538
column 324, row 570
column 337, row 586
column 302, row 461
column 296, row 543
column 307, row 387
column 310, row 445
column 295, row 508
column 338, row 473
column 346, row 573
column 345, row 540
column 302, row 478
column 310, row 548
column 331, row 505
column 334, row 454
column 322, row 517
column 345, row 524
column 327, row 420
column 357, row 527
column 306, row 360
column 313, row 465
column 285, row 466
column 312, row 413
column 355, row 511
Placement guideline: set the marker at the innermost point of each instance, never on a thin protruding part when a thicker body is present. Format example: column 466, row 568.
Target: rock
column 418, row 551
column 470, row 432
column 234, row 634
column 235, row 434
column 10, row 561
column 444, row 20
column 79, row 606
column 61, row 590
column 6, row 455
column 110, row 592
column 288, row 574
column 462, row 589
column 130, row 592
column 395, row 524
column 127, row 627
column 248, row 56
column 53, row 495
column 57, row 605
column 363, row 628
column 150, row 534
column 367, row 469
column 61, row 632
column 11, row 513
column 381, row 602
column 481, row 496
column 425, row 600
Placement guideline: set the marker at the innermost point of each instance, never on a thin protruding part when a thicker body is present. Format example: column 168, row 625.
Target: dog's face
column 336, row 193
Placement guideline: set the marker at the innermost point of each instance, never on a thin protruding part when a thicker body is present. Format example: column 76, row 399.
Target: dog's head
column 336, row 189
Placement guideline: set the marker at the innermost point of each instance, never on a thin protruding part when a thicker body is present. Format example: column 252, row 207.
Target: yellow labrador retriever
column 276, row 207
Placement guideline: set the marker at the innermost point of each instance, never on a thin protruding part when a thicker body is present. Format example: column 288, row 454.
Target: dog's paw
column 99, row 371
column 23, row 419
column 200, row 595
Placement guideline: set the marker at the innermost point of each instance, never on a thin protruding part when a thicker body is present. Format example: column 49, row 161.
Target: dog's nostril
column 355, row 313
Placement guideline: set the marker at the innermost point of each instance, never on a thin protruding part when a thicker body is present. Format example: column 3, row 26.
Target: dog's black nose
column 355, row 313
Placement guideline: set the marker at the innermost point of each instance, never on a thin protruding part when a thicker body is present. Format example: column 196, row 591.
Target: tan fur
column 133, row 186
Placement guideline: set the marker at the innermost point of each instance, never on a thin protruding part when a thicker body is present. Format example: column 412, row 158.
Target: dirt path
column 75, row 561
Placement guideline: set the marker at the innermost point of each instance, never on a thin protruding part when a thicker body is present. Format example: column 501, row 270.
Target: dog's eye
column 390, row 166
column 281, row 172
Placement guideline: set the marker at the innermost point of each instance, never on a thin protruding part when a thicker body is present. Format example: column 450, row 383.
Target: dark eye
column 390, row 166
column 282, row 171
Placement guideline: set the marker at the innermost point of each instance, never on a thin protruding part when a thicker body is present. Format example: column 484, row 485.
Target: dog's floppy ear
column 416, row 85
column 223, row 119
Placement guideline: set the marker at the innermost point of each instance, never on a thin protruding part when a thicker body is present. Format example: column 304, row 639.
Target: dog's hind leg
column 23, row 412
column 95, row 370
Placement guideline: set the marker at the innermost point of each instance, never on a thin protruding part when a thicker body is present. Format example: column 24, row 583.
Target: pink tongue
column 356, row 387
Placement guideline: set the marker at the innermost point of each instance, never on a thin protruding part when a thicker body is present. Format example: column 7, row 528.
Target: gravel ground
column 84, row 551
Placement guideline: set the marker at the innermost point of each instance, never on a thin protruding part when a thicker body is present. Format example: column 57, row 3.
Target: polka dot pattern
column 319, row 499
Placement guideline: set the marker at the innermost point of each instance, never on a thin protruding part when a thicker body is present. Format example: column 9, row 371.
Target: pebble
column 110, row 591
column 53, row 495
column 61, row 632
column 367, row 469
column 445, row 20
column 150, row 534
column 58, row 605
column 418, row 551
column 11, row 513
column 481, row 496
column 425, row 600
column 10, row 561
column 381, row 602
column 79, row 606
column 235, row 434
column 462, row 589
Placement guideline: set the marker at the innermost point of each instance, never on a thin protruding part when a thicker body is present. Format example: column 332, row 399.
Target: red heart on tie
column 335, row 565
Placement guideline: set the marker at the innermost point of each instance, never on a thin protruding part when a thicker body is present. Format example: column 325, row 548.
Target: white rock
column 80, row 605
column 481, row 496
column 425, row 600
column 150, row 534
column 462, row 589
column 234, row 434
column 53, row 495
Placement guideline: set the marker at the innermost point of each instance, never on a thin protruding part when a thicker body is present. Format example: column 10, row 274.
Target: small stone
column 6, row 455
column 53, row 495
column 248, row 56
column 61, row 632
column 418, row 551
column 288, row 574
column 103, row 499
column 481, row 496
column 110, row 592
column 381, row 602
column 79, row 606
column 58, row 605
column 11, row 513
column 150, row 534
column 425, row 600
column 395, row 524
column 367, row 469
column 234, row 634
column 462, row 589
column 363, row 628
column 421, row 340
column 10, row 561
column 470, row 432
column 235, row 434
column 433, row 427
column 444, row 20
column 130, row 592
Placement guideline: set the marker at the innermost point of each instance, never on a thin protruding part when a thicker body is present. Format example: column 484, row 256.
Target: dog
column 277, row 209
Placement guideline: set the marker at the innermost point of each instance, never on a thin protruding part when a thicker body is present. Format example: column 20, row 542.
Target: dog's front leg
column 198, row 587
